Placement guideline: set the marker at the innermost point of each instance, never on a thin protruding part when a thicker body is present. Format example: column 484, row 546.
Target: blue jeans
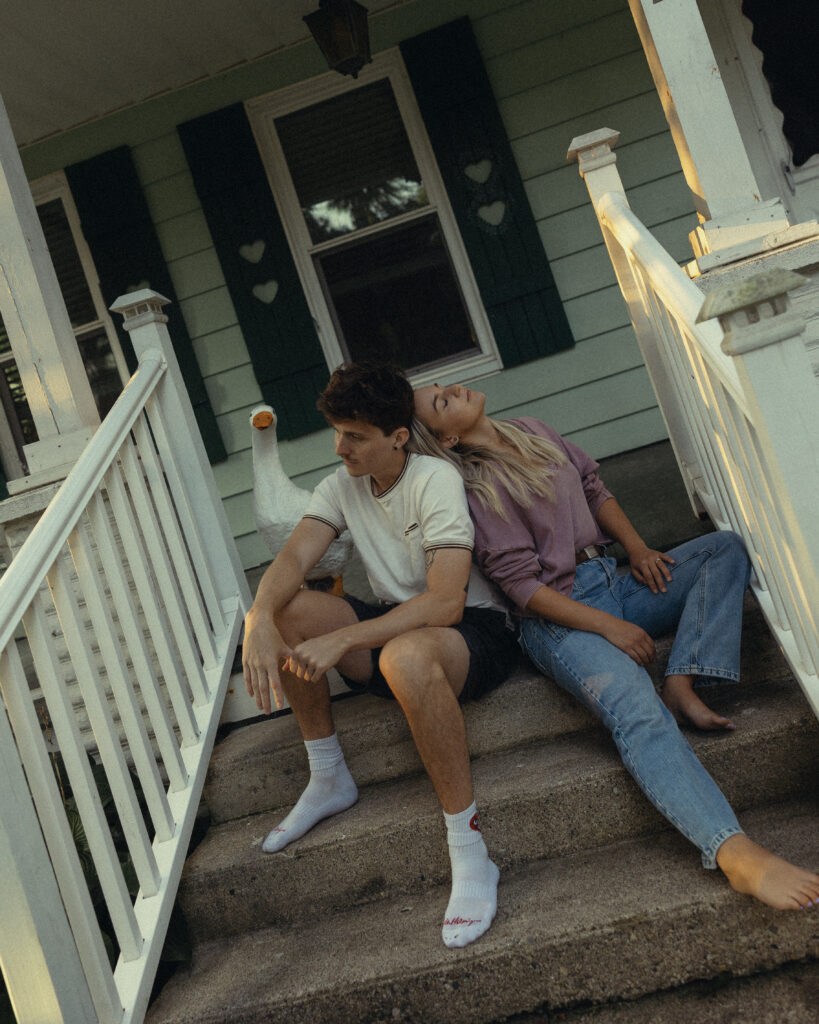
column 704, row 603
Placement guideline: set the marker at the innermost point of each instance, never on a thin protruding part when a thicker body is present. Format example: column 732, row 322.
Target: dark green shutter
column 252, row 247
column 466, row 130
column 117, row 225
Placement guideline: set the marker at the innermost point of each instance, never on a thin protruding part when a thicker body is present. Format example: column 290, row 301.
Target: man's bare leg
column 426, row 670
column 682, row 701
column 753, row 870
column 331, row 788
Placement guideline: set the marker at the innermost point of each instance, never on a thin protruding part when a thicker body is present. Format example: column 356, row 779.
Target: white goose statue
column 279, row 504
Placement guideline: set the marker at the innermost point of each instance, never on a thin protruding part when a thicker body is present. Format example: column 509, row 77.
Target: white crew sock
column 474, row 898
column 331, row 789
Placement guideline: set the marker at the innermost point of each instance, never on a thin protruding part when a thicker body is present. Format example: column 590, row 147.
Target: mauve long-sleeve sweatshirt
column 536, row 546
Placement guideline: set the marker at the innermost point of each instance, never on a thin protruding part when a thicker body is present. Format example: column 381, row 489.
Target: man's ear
column 400, row 438
column 448, row 442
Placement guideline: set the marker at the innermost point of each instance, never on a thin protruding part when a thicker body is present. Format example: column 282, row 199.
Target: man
column 438, row 636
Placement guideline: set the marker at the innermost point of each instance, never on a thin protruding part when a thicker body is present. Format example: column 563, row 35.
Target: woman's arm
column 647, row 565
column 632, row 640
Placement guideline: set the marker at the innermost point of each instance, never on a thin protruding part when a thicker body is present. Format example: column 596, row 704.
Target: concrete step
column 642, row 912
column 786, row 995
column 262, row 767
column 547, row 799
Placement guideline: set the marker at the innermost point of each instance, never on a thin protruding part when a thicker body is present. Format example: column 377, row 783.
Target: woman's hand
column 650, row 567
column 631, row 639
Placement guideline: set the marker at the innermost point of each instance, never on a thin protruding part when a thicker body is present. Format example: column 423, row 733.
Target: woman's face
column 449, row 412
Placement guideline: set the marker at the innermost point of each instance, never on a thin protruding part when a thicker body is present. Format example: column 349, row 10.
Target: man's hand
column 263, row 654
column 313, row 658
column 650, row 567
column 631, row 639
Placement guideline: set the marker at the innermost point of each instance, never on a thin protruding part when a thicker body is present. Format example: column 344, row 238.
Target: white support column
column 40, row 333
column 727, row 197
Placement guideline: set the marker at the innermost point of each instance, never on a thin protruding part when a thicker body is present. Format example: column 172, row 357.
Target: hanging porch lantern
column 341, row 31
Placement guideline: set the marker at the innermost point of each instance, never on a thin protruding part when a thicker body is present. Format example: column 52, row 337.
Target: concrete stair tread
column 785, row 995
column 543, row 800
column 642, row 911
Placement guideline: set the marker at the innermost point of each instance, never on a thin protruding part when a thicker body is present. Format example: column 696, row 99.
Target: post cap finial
column 144, row 305
column 604, row 139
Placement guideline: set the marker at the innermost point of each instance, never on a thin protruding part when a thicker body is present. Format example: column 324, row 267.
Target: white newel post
column 145, row 322
column 41, row 966
column 725, row 191
column 42, row 340
column 764, row 335
column 597, row 165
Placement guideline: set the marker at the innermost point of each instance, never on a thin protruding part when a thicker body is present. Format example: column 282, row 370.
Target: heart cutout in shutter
column 253, row 252
column 479, row 172
column 266, row 292
column 493, row 213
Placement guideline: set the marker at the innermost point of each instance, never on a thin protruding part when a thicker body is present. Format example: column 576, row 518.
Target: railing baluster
column 175, row 545
column 160, row 632
column 163, row 571
column 135, row 639
column 199, row 562
column 99, row 713
column 62, row 851
column 119, row 677
column 82, row 782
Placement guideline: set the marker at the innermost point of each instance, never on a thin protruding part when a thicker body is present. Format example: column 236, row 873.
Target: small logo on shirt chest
column 409, row 529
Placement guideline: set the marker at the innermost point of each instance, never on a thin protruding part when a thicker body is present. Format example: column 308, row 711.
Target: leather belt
column 589, row 552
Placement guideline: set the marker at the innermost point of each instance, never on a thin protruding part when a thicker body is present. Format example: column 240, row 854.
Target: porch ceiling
column 64, row 64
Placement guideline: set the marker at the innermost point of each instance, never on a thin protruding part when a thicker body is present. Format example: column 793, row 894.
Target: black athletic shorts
column 492, row 643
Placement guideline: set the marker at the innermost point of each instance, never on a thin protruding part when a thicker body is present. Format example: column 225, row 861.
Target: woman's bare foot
column 684, row 704
column 752, row 869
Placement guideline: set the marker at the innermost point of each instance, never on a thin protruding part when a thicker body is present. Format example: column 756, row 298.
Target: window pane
column 67, row 265
column 351, row 161
column 396, row 298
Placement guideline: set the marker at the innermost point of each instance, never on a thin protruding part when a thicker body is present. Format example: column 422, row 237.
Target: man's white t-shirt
column 424, row 509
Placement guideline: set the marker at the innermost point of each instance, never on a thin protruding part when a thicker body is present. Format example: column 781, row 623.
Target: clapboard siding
column 557, row 70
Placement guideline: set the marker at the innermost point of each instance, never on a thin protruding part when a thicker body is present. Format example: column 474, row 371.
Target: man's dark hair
column 373, row 393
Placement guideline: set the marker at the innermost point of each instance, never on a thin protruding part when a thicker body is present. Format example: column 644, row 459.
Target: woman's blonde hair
column 525, row 466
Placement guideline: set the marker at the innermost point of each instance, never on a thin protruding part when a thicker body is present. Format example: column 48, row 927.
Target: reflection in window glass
column 396, row 298
column 351, row 161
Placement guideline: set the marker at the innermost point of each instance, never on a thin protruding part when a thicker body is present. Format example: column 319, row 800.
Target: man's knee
column 410, row 665
column 311, row 613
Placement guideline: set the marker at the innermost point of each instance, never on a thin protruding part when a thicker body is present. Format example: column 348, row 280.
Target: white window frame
column 262, row 113
column 44, row 190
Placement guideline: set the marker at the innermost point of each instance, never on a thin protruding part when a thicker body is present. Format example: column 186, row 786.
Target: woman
column 542, row 517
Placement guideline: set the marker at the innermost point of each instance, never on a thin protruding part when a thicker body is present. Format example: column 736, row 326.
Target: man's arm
column 441, row 604
column 264, row 649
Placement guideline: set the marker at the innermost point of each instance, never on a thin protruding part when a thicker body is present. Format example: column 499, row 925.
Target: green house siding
column 556, row 71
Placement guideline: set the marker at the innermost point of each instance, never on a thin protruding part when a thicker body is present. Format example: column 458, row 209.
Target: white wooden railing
column 740, row 402
column 149, row 593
